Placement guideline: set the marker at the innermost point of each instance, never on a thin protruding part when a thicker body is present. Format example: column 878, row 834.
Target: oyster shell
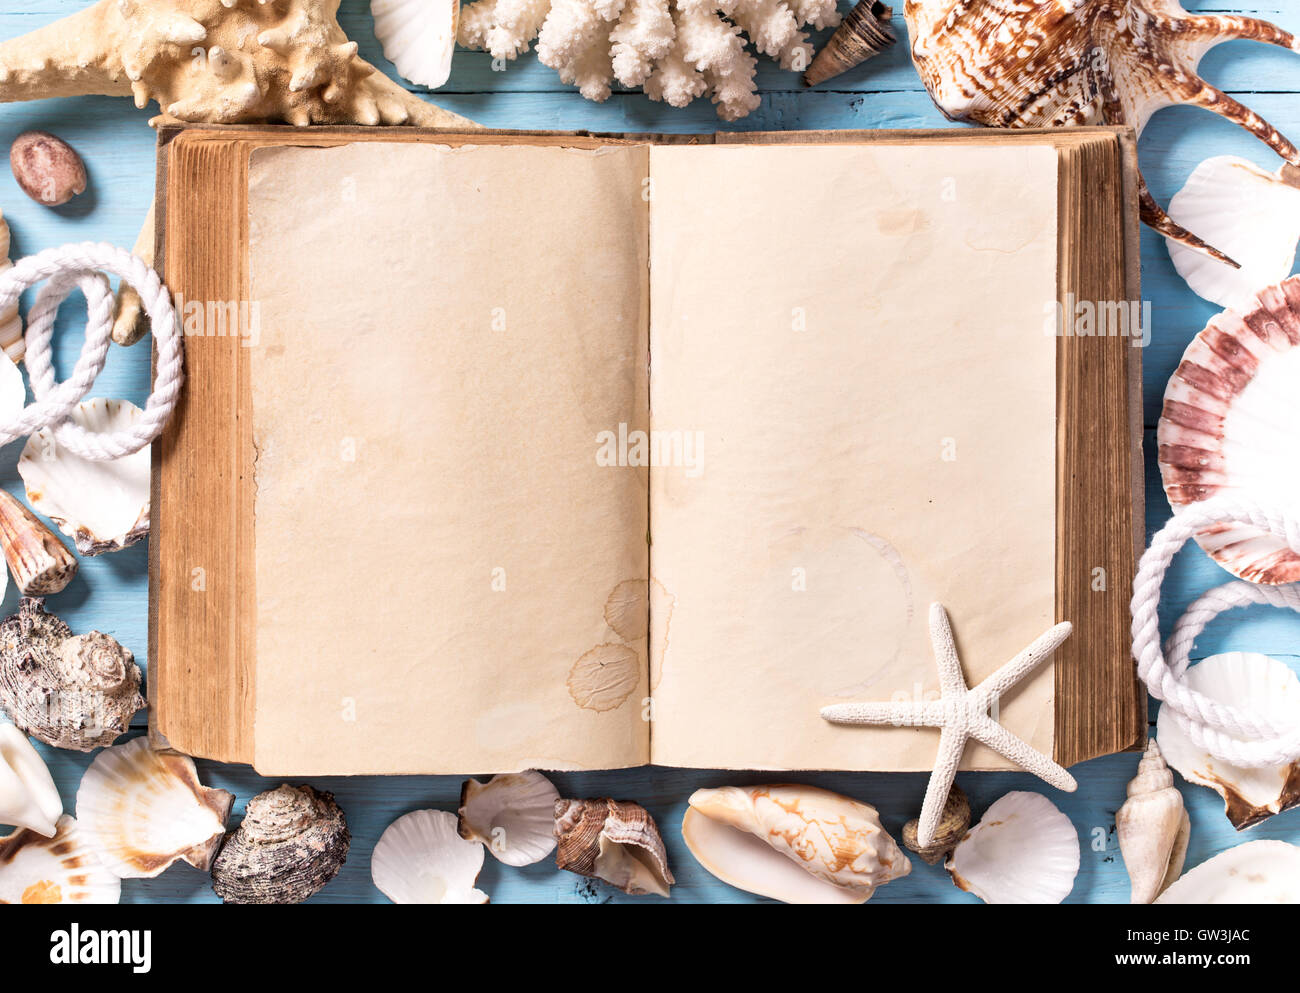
column 421, row 858
column 418, row 36
column 101, row 506
column 38, row 560
column 1228, row 425
column 1248, row 680
column 292, row 841
column 69, row 691
column 614, row 841
column 753, row 836
column 1153, row 828
column 953, row 822
column 28, row 796
column 143, row 810
column 1256, row 872
column 61, row 869
column 512, row 814
column 1023, row 850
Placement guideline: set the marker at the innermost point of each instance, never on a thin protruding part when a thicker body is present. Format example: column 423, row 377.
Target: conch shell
column 1061, row 63
column 837, row 848
column 614, row 841
column 1153, row 828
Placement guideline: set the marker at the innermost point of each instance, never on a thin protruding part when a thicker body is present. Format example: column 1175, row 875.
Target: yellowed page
column 854, row 337
column 444, row 333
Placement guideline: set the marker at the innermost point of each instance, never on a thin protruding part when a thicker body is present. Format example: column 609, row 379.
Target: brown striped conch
column 1153, row 828
column 1062, row 63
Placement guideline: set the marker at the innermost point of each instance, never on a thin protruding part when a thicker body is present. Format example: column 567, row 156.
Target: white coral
column 677, row 50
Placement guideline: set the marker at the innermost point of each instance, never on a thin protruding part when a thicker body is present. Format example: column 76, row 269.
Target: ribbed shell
column 582, row 825
column 39, row 562
column 62, row 869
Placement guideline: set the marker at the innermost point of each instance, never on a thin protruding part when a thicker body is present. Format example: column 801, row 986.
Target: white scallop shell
column 102, row 506
column 420, row 858
column 513, row 815
column 1228, row 427
column 144, row 810
column 28, row 796
column 62, row 869
column 1252, row 682
column 1256, row 872
column 1023, row 850
column 1251, row 215
column 418, row 36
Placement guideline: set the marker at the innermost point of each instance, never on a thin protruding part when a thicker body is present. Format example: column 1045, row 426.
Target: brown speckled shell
column 953, row 823
column 580, row 825
column 292, row 841
column 69, row 691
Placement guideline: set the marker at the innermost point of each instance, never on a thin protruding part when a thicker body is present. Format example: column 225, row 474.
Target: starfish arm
column 951, row 679
column 1018, row 751
column 952, row 742
column 893, row 714
column 1029, row 659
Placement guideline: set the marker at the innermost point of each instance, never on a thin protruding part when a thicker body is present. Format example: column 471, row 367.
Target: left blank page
column 444, row 334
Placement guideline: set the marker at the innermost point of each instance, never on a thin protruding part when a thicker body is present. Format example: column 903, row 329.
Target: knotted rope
column 81, row 266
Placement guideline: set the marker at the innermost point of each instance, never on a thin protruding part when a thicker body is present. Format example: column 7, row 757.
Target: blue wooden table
column 110, row 592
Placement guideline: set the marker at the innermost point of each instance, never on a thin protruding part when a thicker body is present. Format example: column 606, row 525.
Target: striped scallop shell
column 62, row 869
column 1229, row 427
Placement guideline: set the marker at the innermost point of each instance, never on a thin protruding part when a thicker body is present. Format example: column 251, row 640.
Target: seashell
column 512, row 814
column 13, row 397
column 143, row 810
column 292, row 841
column 1256, row 872
column 1023, row 850
column 1250, row 214
column 1247, row 680
column 953, row 822
column 101, row 506
column 797, row 844
column 47, row 168
column 864, row 32
column 1228, row 423
column 28, row 796
column 421, row 858
column 1048, row 63
column 69, row 691
column 61, row 869
column 614, row 841
column 1153, row 828
column 11, row 325
column 418, row 37
column 40, row 563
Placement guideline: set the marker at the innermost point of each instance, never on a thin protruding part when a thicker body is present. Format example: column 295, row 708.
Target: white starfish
column 962, row 713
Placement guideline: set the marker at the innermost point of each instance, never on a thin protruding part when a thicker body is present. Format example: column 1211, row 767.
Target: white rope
column 79, row 266
column 1230, row 733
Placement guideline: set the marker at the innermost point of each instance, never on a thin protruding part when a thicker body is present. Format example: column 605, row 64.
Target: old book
column 510, row 450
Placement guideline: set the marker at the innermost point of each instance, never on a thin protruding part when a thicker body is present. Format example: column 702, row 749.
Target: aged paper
column 444, row 334
column 854, row 336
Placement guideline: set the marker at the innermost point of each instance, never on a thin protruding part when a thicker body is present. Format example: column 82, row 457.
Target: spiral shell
column 614, row 841
column 1152, row 827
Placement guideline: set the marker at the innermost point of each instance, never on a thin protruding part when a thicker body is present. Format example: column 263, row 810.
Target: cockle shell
column 1023, row 850
column 1228, row 427
column 28, row 796
column 797, row 844
column 1256, row 872
column 144, row 810
column 69, row 691
column 953, row 822
column 213, row 61
column 513, row 815
column 101, row 506
column 1153, row 828
column 38, row 560
column 614, row 841
column 420, row 858
column 1060, row 63
column 292, row 841
column 418, row 36
column 1252, row 682
column 1250, row 214
column 61, row 869
column 11, row 325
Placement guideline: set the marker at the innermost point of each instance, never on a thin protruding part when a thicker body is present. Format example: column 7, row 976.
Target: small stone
column 47, row 168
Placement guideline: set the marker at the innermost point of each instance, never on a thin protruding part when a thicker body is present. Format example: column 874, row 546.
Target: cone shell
column 793, row 843
column 144, row 810
column 864, row 32
column 1228, row 425
column 11, row 325
column 1256, row 872
column 62, row 869
column 39, row 562
column 513, row 815
column 421, row 858
column 1023, row 850
column 1252, row 682
column 28, row 796
column 292, row 841
column 614, row 841
column 1152, row 828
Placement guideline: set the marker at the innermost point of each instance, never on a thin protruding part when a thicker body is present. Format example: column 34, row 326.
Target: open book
column 505, row 451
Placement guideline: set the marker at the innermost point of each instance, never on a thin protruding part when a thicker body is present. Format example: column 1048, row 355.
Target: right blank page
column 852, row 339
